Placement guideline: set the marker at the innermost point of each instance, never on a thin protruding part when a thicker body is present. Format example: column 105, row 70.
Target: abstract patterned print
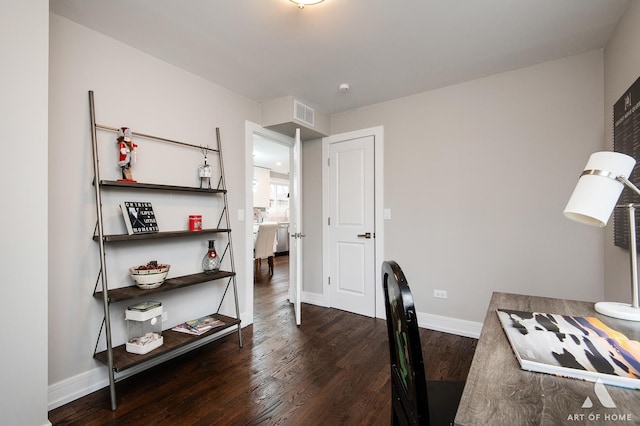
column 580, row 347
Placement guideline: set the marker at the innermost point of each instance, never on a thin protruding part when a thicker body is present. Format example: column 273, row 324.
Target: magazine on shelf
column 139, row 217
column 572, row 346
column 184, row 328
column 198, row 326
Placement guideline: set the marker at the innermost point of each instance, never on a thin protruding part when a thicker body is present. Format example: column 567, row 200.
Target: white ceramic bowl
column 149, row 278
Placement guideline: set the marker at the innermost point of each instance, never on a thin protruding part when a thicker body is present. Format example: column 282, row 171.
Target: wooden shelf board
column 172, row 340
column 132, row 292
column 158, row 235
column 153, row 186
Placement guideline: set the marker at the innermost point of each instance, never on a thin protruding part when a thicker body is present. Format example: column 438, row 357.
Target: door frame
column 378, row 137
column 250, row 128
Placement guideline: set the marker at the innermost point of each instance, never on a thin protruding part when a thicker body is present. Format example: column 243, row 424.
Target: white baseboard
column 90, row 381
column 432, row 322
column 313, row 299
column 76, row 387
column 450, row 325
column 85, row 383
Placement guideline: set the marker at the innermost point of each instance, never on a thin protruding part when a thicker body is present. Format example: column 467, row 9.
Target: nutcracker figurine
column 126, row 154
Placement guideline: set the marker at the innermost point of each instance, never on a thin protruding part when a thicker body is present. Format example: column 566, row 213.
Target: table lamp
column 592, row 202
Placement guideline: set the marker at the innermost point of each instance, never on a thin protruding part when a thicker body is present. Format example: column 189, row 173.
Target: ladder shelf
column 117, row 359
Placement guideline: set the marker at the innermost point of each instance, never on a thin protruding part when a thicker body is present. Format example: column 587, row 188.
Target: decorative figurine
column 127, row 152
column 204, row 170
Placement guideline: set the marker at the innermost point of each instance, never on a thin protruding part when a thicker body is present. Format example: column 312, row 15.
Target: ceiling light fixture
column 302, row 3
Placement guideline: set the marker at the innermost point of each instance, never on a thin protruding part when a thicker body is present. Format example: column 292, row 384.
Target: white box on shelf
column 144, row 327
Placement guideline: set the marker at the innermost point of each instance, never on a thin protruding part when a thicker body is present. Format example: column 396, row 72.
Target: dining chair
column 264, row 245
column 415, row 401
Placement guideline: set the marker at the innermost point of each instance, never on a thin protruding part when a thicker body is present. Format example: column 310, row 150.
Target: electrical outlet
column 440, row 294
column 165, row 316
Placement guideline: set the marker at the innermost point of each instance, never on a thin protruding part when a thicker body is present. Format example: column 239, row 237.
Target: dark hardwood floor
column 332, row 370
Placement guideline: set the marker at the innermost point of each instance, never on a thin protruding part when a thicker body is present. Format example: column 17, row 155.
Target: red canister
column 195, row 222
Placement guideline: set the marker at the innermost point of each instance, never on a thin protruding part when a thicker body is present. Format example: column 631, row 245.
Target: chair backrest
column 265, row 240
column 408, row 382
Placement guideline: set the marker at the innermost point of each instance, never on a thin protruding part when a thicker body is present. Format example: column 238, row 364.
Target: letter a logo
column 601, row 392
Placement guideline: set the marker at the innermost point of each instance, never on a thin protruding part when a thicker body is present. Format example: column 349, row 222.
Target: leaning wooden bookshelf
column 117, row 359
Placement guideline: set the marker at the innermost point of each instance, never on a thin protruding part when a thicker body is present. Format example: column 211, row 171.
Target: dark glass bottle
column 211, row 260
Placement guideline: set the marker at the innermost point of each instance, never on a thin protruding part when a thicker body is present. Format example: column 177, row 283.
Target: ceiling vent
column 303, row 113
column 286, row 114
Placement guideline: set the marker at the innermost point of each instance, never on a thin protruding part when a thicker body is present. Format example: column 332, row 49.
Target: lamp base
column 618, row 310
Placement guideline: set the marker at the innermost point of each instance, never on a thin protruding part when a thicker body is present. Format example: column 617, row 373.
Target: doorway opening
column 271, row 182
column 268, row 183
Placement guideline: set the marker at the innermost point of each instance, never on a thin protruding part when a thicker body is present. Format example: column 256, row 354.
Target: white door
column 352, row 225
column 295, row 228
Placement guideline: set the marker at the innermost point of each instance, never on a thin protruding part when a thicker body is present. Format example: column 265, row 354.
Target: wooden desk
column 499, row 392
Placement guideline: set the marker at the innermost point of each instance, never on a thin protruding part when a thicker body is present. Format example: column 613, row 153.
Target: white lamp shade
column 595, row 197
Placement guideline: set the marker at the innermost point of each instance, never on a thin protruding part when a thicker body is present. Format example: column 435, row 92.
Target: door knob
column 365, row 235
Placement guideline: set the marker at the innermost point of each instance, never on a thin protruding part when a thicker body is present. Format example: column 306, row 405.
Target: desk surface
column 499, row 392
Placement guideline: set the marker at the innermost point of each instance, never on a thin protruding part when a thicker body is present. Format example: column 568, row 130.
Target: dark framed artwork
column 626, row 139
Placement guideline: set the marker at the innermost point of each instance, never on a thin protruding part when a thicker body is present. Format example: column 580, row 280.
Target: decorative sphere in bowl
column 150, row 275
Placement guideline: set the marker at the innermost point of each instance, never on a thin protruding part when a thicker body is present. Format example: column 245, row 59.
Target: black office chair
column 415, row 401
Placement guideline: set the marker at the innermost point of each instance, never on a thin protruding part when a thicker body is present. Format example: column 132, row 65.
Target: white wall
column 477, row 176
column 150, row 96
column 622, row 68
column 23, row 219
